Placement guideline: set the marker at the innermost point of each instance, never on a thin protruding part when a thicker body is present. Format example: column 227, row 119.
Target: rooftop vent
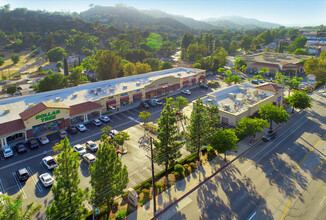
column 150, row 80
column 57, row 99
column 179, row 74
column 111, row 89
column 124, row 87
column 7, row 111
column 30, row 104
column 91, row 90
column 98, row 89
column 74, row 95
column 137, row 83
column 188, row 71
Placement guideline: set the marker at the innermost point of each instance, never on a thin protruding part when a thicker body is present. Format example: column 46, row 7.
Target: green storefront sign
column 48, row 116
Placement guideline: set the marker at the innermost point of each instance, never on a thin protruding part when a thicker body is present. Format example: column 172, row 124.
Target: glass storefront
column 93, row 115
column 77, row 119
column 49, row 126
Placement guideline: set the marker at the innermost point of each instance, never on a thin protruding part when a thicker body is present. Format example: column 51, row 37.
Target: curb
column 214, row 173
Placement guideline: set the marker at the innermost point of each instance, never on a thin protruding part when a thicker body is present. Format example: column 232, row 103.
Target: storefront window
column 49, row 126
column 77, row 119
column 95, row 114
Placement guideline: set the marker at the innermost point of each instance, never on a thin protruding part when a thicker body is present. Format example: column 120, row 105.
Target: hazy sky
column 286, row 12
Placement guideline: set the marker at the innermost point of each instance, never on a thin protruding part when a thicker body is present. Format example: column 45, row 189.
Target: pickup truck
column 49, row 162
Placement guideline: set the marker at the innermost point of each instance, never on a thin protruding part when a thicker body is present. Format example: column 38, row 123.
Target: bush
column 210, row 150
column 121, row 215
column 147, row 185
column 146, row 193
column 137, row 191
column 192, row 159
column 186, row 169
column 203, row 149
column 158, row 187
column 192, row 165
column 177, row 175
column 115, row 204
column 319, row 84
column 178, row 168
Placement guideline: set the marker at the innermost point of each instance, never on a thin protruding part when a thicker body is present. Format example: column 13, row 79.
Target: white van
column 62, row 133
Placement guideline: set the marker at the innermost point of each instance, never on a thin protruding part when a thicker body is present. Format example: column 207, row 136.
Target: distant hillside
column 130, row 18
column 237, row 22
column 185, row 20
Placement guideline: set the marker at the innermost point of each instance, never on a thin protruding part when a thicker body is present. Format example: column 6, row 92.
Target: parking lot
column 137, row 159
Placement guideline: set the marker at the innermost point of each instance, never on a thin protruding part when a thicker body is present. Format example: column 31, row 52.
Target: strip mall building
column 44, row 113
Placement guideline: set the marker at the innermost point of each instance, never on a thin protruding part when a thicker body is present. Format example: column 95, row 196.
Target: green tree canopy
column 167, row 148
column 250, row 126
column 12, row 89
column 77, row 76
column 1, row 61
column 317, row 66
column 68, row 197
column 129, row 69
column 15, row 58
column 300, row 51
column 153, row 62
column 154, row 41
column 52, row 82
column 108, row 176
column 273, row 113
column 106, row 64
column 300, row 100
column 166, row 65
column 141, row 68
column 56, row 54
column 224, row 140
column 246, row 42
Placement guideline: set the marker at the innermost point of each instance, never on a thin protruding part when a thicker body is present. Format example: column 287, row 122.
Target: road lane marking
column 252, row 216
column 244, row 195
column 140, row 176
column 35, row 179
column 133, row 119
column 322, row 201
column 19, row 186
column 225, row 188
column 117, row 117
column 126, row 116
column 284, row 132
column 295, row 170
column 131, row 112
column 320, row 165
column 2, row 189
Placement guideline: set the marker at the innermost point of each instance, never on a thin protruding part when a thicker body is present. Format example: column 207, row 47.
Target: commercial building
column 243, row 100
column 43, row 113
column 276, row 62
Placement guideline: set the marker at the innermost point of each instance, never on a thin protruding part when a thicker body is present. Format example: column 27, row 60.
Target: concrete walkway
column 184, row 187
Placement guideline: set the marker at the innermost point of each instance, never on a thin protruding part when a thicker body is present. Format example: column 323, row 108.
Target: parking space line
column 142, row 177
column 133, row 119
column 133, row 113
column 2, row 189
column 124, row 115
column 44, row 168
column 117, row 117
column 19, row 186
column 132, row 182
column 35, row 180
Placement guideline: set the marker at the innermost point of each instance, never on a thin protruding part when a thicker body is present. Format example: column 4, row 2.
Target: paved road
column 136, row 159
column 284, row 178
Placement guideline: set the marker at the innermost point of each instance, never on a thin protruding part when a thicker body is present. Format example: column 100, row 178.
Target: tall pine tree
column 65, row 67
column 68, row 197
column 108, row 176
column 167, row 148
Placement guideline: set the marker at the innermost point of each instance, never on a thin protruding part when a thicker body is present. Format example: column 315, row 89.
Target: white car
column 7, row 151
column 46, row 179
column 44, row 140
column 97, row 122
column 91, row 146
column 80, row 149
column 89, row 158
column 104, row 118
column 81, row 127
column 187, row 92
column 50, row 162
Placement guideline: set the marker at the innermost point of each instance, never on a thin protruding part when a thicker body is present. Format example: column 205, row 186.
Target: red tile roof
column 267, row 65
column 84, row 107
column 11, row 126
column 40, row 107
column 268, row 87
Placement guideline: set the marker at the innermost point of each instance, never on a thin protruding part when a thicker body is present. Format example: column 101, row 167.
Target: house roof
column 268, row 87
column 39, row 108
column 11, row 126
column 84, row 107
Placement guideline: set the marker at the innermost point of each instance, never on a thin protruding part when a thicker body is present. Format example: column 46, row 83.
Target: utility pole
column 153, row 182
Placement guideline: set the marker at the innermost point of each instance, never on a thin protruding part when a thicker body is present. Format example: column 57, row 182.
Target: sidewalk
column 184, row 187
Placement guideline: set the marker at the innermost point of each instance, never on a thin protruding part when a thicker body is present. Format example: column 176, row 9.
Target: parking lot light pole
column 153, row 181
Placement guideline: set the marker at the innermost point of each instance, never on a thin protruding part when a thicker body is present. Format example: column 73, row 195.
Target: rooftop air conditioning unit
column 111, row 89
column 7, row 111
column 124, row 87
column 98, row 89
column 179, row 74
column 57, row 99
column 30, row 104
column 188, row 71
column 137, row 83
column 150, row 80
column 74, row 95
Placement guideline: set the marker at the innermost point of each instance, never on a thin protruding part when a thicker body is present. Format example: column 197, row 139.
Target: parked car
column 150, row 103
column 187, row 92
column 72, row 130
column 261, row 81
column 204, row 86
column 7, row 151
column 157, row 102
column 43, row 140
column 104, row 119
column 255, row 81
column 91, row 146
column 80, row 149
column 270, row 135
column 46, row 179
column 242, row 77
column 113, row 133
column 21, row 148
column 97, row 122
column 209, row 73
column 32, row 143
column 81, row 127
column 89, row 158
column 144, row 105
column 49, row 162
column 22, row 174
column 62, row 133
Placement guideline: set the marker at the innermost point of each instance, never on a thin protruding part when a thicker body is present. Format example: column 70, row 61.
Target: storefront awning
column 124, row 98
column 137, row 95
column 11, row 126
column 84, row 108
column 111, row 102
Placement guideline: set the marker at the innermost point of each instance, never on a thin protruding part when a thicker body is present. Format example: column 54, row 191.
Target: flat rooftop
column 275, row 58
column 10, row 108
column 237, row 98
